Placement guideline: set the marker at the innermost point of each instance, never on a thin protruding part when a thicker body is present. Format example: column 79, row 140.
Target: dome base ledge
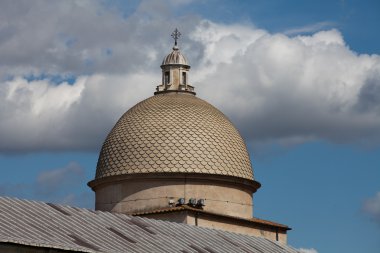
column 251, row 185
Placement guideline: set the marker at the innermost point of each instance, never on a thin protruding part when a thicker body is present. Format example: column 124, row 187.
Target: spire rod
column 175, row 35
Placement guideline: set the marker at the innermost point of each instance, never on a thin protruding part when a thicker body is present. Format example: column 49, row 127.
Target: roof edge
column 175, row 91
column 249, row 184
column 255, row 221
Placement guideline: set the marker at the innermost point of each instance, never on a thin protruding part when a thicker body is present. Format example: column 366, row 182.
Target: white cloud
column 82, row 36
column 57, row 185
column 308, row 87
column 302, row 250
column 372, row 207
column 279, row 89
column 312, row 28
column 39, row 115
column 83, row 199
column 50, row 181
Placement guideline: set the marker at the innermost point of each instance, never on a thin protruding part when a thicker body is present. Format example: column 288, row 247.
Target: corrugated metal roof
column 69, row 228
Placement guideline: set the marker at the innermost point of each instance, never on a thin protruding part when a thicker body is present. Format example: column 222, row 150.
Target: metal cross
column 176, row 34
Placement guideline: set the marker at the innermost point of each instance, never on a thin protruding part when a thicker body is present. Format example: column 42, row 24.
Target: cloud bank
column 372, row 208
column 302, row 250
column 55, row 185
column 67, row 77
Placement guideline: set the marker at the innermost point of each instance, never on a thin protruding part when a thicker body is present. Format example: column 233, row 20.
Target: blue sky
column 304, row 78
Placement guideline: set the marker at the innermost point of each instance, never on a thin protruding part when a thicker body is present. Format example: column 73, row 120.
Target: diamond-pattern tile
column 173, row 132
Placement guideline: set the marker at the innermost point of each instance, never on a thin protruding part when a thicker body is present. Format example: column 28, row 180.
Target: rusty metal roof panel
column 46, row 225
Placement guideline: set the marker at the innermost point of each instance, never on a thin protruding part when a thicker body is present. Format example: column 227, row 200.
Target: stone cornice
column 194, row 177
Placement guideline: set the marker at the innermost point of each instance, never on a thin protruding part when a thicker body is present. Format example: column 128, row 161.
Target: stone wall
column 144, row 194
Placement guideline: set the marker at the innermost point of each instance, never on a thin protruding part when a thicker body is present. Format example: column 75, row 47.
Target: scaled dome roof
column 174, row 132
column 175, row 57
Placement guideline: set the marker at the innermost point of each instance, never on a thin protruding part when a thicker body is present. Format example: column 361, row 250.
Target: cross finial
column 175, row 35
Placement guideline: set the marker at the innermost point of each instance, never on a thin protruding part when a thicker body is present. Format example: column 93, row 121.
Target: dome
column 174, row 133
column 175, row 57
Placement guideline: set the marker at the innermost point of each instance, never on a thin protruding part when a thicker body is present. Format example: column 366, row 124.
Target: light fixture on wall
column 192, row 201
column 201, row 202
column 181, row 201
